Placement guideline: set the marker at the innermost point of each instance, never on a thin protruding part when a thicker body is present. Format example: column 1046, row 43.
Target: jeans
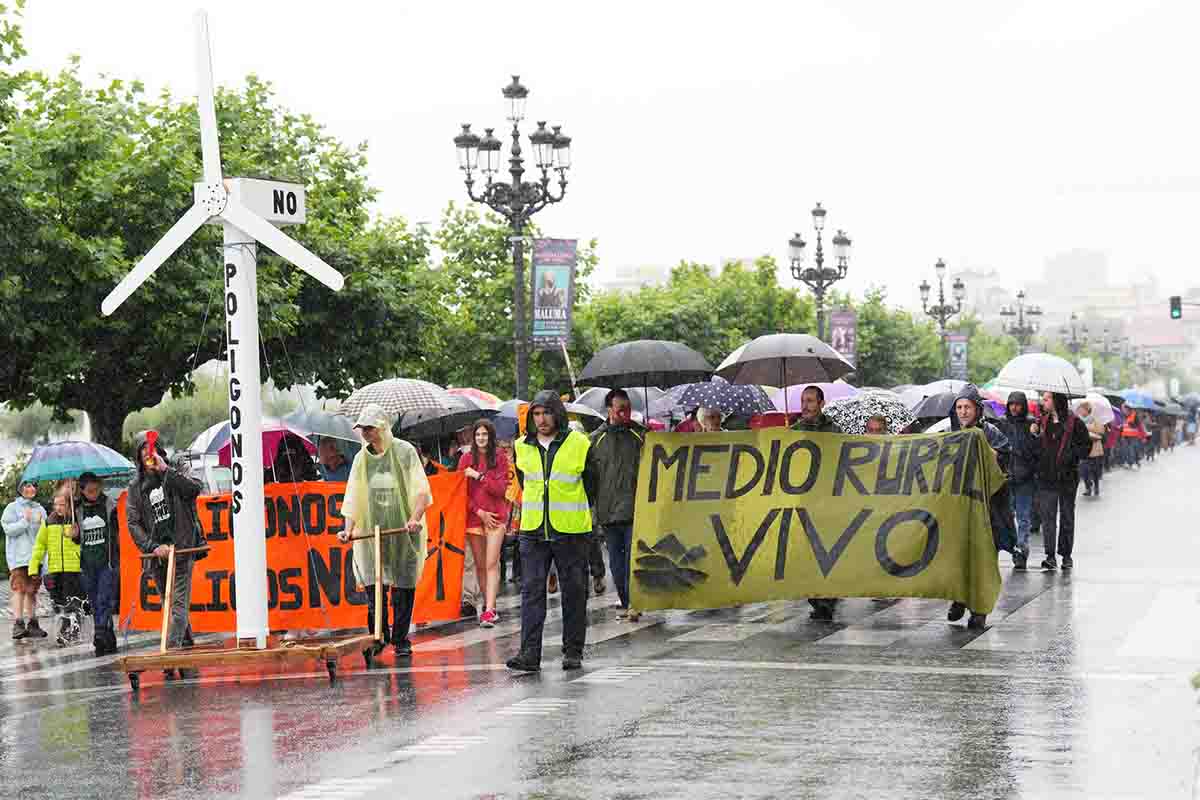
column 1091, row 470
column 101, row 587
column 1057, row 504
column 620, row 545
column 570, row 554
column 181, row 597
column 1022, row 500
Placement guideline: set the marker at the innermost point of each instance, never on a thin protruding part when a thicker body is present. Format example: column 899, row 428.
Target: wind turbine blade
column 266, row 233
column 209, row 145
column 179, row 233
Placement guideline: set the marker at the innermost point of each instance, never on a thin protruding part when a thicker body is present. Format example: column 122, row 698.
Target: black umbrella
column 785, row 359
column 427, row 423
column 645, row 362
column 941, row 405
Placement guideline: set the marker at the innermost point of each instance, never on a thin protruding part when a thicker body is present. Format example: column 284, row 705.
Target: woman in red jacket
column 486, row 467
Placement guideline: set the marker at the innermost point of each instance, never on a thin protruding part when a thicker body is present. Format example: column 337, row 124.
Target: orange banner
column 310, row 575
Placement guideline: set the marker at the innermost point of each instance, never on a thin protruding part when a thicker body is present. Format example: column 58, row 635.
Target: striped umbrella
column 52, row 462
column 398, row 395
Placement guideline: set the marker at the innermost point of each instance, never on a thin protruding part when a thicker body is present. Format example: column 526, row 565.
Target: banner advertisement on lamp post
column 553, row 288
column 956, row 343
column 843, row 333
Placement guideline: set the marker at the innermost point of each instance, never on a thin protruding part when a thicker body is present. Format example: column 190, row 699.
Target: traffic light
column 1176, row 307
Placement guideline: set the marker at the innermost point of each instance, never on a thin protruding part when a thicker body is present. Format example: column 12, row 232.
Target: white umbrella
column 1102, row 410
column 913, row 395
column 1042, row 372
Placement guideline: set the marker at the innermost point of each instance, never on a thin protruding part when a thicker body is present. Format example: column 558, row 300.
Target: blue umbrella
column 1138, row 400
column 52, row 462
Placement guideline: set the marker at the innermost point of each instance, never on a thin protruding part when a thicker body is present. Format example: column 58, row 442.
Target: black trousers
column 1057, row 506
column 596, row 541
column 570, row 555
column 402, row 602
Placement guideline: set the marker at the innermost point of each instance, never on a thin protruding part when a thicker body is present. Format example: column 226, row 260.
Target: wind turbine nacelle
column 277, row 202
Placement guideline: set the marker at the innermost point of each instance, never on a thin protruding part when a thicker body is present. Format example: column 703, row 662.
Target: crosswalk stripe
column 1020, row 631
column 722, row 632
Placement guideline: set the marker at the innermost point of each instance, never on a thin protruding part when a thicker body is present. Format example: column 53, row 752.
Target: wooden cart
column 326, row 649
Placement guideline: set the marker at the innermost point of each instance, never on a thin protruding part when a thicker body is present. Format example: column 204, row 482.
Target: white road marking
column 611, row 675
column 905, row 669
column 441, row 746
column 536, row 706
column 346, row 788
column 722, row 632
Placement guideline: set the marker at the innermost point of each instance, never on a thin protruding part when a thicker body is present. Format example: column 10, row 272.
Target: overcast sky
column 989, row 134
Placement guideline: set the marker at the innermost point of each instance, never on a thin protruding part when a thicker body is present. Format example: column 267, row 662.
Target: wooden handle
column 182, row 551
column 378, row 584
column 385, row 532
column 166, row 620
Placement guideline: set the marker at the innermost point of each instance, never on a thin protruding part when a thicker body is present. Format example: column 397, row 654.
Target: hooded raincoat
column 1004, row 531
column 1024, row 444
column 382, row 490
column 20, row 532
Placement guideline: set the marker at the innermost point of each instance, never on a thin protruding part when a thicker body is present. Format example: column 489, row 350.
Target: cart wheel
column 135, row 680
column 331, row 665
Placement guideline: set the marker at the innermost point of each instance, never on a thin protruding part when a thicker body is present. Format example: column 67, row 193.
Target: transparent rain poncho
column 382, row 490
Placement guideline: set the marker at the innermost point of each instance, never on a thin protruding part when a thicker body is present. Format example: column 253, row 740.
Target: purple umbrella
column 792, row 400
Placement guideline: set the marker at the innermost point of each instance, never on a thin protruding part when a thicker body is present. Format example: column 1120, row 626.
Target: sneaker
column 467, row 610
column 572, row 662
column 1067, row 563
column 622, row 613
column 34, row 631
column 1020, row 560
column 1049, row 564
column 599, row 585
column 956, row 612
column 489, row 619
column 977, row 622
column 402, row 648
column 822, row 610
column 523, row 663
column 19, row 631
column 552, row 584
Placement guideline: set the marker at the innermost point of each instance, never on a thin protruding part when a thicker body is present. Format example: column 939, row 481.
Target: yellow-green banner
column 724, row 519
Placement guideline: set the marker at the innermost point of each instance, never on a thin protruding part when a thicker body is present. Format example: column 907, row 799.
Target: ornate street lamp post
column 820, row 277
column 1078, row 335
column 1019, row 329
column 942, row 311
column 516, row 199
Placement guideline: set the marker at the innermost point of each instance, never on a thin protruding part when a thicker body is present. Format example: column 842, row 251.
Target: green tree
column 101, row 173
column 892, row 347
column 32, row 425
column 711, row 313
column 469, row 302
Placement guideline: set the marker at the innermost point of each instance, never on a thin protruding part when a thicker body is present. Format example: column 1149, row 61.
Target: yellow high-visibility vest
column 569, row 511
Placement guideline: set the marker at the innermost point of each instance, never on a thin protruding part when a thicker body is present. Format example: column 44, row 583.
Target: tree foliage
column 101, row 173
column 987, row 352
column 892, row 347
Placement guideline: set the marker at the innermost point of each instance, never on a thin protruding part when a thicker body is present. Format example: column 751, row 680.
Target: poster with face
column 553, row 287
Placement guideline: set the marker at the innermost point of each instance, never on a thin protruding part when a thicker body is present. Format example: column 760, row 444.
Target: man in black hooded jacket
column 161, row 513
column 1018, row 427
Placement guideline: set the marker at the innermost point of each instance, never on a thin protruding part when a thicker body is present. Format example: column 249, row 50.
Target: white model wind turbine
column 248, row 210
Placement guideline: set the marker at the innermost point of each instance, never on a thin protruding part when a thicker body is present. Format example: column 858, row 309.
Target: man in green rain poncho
column 388, row 488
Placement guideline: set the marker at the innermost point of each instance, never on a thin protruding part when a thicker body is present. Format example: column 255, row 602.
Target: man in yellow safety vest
column 556, row 520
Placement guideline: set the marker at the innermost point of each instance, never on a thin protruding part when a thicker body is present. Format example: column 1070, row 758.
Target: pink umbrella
column 485, row 399
column 792, row 400
column 271, row 435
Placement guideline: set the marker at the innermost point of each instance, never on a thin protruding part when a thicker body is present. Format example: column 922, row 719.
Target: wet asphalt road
column 1078, row 689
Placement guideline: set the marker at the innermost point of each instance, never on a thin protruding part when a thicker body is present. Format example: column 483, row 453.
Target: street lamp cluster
column 1019, row 328
column 516, row 199
column 1078, row 339
column 819, row 278
column 942, row 311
